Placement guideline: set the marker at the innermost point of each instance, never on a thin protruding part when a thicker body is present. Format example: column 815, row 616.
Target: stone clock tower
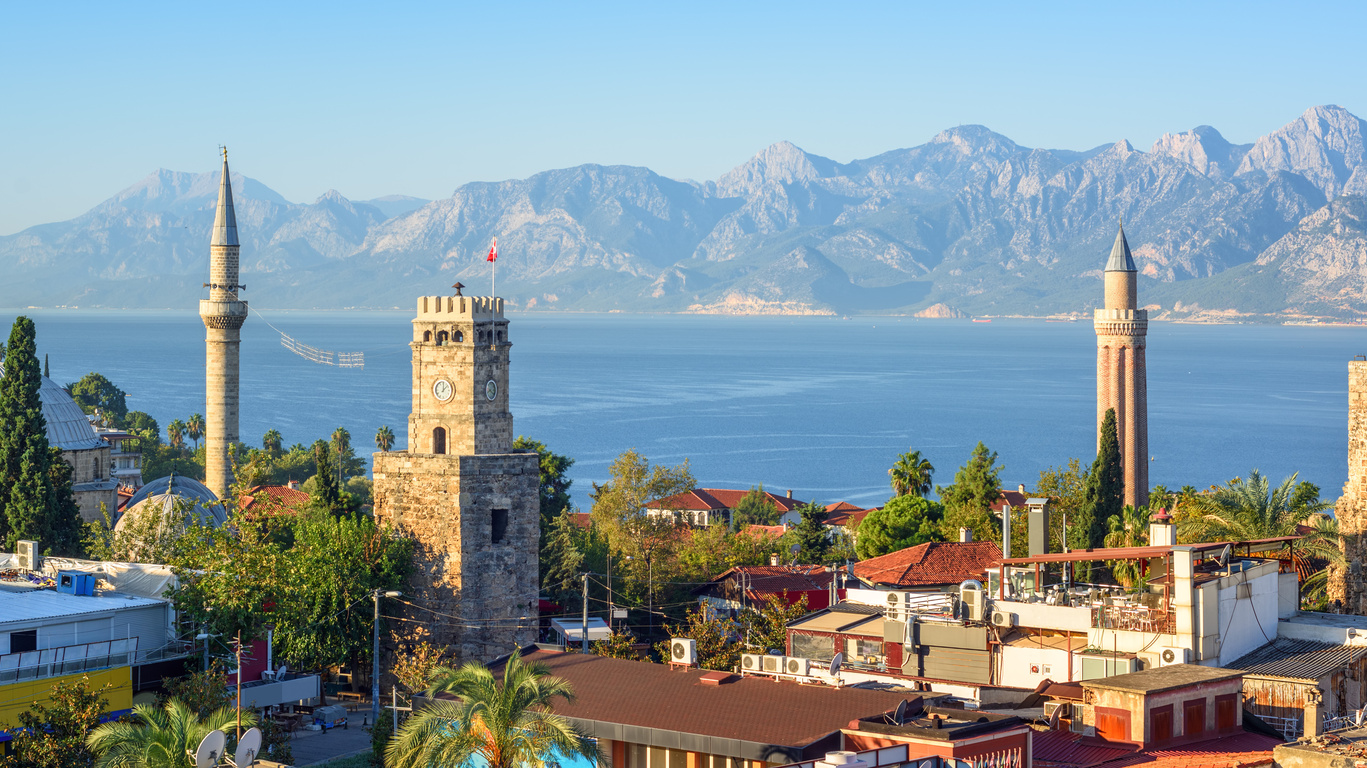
column 471, row 504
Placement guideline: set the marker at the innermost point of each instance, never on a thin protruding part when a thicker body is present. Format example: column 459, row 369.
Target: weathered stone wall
column 462, row 340
column 91, row 483
column 1348, row 585
column 481, row 595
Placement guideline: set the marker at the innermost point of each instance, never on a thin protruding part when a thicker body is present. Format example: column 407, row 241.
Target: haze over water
column 818, row 405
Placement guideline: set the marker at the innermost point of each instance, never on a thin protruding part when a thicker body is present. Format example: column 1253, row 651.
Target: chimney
column 773, row 559
column 790, row 493
column 1021, row 488
column 1160, row 529
column 1038, row 526
column 293, row 485
column 1006, row 530
column 965, row 535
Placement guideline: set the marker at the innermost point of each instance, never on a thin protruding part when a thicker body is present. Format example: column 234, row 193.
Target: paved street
column 312, row 747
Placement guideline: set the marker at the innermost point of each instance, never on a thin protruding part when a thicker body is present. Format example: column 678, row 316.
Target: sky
column 373, row 99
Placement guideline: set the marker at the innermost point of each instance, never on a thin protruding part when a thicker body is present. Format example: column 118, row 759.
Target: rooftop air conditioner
column 683, row 650
column 1169, row 656
column 973, row 603
column 1064, row 709
column 28, row 555
column 1003, row 619
column 752, row 662
column 773, row 664
column 798, row 667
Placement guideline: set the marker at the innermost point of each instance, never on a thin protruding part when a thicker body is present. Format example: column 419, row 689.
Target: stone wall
column 480, row 595
column 1348, row 585
column 1122, row 384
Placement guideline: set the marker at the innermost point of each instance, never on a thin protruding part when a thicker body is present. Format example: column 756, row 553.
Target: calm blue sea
column 818, row 405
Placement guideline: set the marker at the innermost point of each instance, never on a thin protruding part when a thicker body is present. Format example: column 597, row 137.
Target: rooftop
column 1159, row 679
column 931, row 564
column 701, row 499
column 1054, row 749
column 39, row 604
column 1307, row 660
column 776, row 579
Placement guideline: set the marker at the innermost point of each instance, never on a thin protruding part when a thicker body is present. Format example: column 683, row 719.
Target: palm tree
column 384, row 438
column 175, row 433
column 194, row 428
column 911, row 475
column 341, row 443
column 1246, row 510
column 1130, row 528
column 160, row 737
column 272, row 442
column 508, row 724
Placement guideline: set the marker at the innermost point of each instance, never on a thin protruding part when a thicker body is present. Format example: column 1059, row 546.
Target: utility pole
column 375, row 658
column 238, row 642
column 584, row 639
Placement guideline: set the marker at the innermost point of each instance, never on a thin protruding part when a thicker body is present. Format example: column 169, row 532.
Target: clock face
column 442, row 390
column 491, row 389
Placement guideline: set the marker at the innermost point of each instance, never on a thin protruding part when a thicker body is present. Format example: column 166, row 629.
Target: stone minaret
column 223, row 315
column 466, row 498
column 1346, row 584
column 1121, row 381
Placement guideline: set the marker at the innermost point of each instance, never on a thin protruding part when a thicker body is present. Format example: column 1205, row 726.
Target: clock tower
column 459, row 490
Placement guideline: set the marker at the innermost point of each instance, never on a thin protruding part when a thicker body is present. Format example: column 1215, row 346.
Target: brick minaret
column 1347, row 584
column 1121, row 381
column 223, row 316
column 470, row 502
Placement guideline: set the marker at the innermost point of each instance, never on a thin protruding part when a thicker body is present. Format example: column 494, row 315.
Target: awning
column 573, row 631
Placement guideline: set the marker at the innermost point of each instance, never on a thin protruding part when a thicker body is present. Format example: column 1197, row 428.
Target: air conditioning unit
column 773, row 664
column 1168, row 656
column 974, row 604
column 1003, row 619
column 683, row 650
column 752, row 662
column 1064, row 709
column 28, row 555
column 798, row 667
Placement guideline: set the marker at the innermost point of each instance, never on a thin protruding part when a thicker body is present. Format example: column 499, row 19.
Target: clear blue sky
column 382, row 98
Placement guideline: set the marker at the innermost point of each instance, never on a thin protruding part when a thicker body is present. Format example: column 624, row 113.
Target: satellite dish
column 795, row 548
column 836, row 662
column 248, row 747
column 1225, row 553
column 211, row 749
column 1054, row 718
column 900, row 716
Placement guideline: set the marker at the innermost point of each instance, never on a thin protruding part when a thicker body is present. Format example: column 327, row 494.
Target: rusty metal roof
column 1307, row 660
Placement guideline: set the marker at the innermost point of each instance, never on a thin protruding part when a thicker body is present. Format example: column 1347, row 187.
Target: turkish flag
column 493, row 251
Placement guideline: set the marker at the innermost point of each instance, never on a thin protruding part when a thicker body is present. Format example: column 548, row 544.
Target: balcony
column 1134, row 618
column 67, row 660
column 257, row 694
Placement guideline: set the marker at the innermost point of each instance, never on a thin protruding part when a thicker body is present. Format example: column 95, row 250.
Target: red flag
column 493, row 251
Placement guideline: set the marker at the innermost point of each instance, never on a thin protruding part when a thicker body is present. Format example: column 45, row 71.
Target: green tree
column 754, row 508
column 562, row 560
column 509, row 723
column 194, row 428
column 554, row 493
column 766, row 626
column 911, row 474
column 64, row 529
column 384, row 438
column 1066, row 488
column 326, row 495
column 26, row 492
column 714, row 639
column 811, row 535
column 203, row 692
column 1130, row 528
column 619, row 515
column 162, row 737
column 904, row 521
column 1105, row 491
column 619, row 645
column 53, row 735
column 968, row 502
column 175, row 433
column 341, row 448
column 271, row 443
column 94, row 392
column 142, row 425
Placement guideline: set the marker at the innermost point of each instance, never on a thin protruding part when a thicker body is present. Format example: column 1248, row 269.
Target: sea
column 821, row 406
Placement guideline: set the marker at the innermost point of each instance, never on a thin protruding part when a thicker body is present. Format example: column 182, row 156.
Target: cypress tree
column 25, row 461
column 1105, row 490
column 65, row 529
column 327, row 494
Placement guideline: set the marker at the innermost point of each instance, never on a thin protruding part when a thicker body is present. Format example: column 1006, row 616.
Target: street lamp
column 375, row 659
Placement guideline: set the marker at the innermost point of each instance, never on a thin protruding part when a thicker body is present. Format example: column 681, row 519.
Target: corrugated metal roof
column 47, row 604
column 1298, row 659
column 1067, row 748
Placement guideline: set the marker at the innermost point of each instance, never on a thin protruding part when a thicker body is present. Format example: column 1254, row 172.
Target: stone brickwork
column 223, row 315
column 91, row 483
column 1349, row 586
column 1121, row 377
column 470, row 503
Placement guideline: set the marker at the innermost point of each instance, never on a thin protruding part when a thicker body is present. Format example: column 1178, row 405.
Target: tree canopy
column 968, row 502
column 754, row 508
column 1105, row 490
column 911, row 474
column 94, row 391
column 904, row 521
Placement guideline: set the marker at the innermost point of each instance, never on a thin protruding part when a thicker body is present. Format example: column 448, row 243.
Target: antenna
column 247, row 748
column 210, row 749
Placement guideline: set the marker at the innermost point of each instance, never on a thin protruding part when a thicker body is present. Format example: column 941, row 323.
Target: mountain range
column 968, row 223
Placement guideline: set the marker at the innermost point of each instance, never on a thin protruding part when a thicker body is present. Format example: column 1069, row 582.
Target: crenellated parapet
column 1121, row 322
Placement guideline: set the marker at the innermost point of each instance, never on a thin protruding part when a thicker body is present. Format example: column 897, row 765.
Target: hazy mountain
column 968, row 222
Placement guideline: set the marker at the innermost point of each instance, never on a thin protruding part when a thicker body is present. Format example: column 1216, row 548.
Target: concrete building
column 1121, row 382
column 459, row 489
column 93, row 480
column 223, row 315
column 751, row 585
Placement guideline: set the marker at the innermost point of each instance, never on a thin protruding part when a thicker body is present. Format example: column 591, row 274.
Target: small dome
column 67, row 426
column 161, row 495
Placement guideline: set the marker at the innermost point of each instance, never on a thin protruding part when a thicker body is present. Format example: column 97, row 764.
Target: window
column 459, row 336
column 426, row 335
column 1194, row 717
column 439, row 440
column 812, row 647
column 865, row 650
column 499, row 525
column 27, row 640
column 1160, row 724
column 441, row 338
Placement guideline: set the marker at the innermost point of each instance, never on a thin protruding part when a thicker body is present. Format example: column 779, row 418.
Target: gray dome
column 67, row 426
column 161, row 495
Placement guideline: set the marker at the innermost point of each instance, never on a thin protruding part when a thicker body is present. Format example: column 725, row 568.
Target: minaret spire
column 225, row 220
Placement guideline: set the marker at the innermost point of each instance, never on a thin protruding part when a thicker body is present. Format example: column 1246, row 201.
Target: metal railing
column 67, row 660
column 1136, row 618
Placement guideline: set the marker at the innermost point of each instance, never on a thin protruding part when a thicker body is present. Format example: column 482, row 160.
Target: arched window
column 441, row 338
column 439, row 440
column 426, row 335
column 499, row 336
column 460, row 336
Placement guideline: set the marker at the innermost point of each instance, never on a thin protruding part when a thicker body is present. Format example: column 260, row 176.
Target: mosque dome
column 160, row 495
column 67, row 426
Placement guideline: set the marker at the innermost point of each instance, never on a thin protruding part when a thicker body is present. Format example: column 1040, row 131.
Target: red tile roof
column 748, row 709
column 845, row 513
column 777, row 579
column 1053, row 749
column 701, row 499
column 938, row 562
column 1014, row 498
column 284, row 497
column 763, row 532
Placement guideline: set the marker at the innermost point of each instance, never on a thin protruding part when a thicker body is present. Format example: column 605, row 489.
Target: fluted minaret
column 223, row 316
column 1121, row 381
